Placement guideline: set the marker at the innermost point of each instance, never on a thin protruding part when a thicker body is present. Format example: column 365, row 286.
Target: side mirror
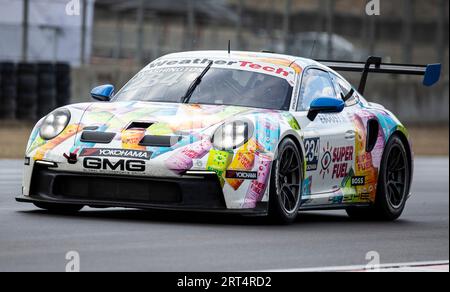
column 103, row 92
column 325, row 105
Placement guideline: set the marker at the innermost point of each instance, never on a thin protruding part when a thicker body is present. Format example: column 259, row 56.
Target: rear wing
column 431, row 72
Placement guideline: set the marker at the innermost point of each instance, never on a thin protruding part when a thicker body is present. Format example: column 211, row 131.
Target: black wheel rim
column 289, row 179
column 396, row 176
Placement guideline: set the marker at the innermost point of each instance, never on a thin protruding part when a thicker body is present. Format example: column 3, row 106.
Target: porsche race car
column 238, row 132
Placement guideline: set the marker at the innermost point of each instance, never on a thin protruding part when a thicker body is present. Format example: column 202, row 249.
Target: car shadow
column 201, row 218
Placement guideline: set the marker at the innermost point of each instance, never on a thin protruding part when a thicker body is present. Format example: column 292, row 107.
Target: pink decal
column 365, row 165
column 258, row 187
column 377, row 152
column 183, row 159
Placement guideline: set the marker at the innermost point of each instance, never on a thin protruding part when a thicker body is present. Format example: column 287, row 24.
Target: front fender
column 40, row 149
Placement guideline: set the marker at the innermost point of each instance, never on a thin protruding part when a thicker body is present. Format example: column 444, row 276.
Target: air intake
column 97, row 137
column 160, row 141
column 139, row 125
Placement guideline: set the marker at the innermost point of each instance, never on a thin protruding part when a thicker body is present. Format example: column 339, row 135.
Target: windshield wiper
column 195, row 83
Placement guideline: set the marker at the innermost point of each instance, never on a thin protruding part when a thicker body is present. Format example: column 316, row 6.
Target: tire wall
column 29, row 91
column 63, row 84
column 8, row 92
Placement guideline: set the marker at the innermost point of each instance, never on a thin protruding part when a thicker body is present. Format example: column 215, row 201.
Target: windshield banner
column 252, row 66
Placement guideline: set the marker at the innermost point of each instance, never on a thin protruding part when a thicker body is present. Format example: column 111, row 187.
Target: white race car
column 252, row 133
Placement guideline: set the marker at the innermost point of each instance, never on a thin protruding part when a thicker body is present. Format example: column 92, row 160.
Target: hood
column 149, row 127
column 157, row 118
column 127, row 123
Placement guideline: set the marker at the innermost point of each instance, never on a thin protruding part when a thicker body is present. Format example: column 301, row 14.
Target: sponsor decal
column 341, row 158
column 255, row 66
column 336, row 199
column 94, row 163
column 312, row 147
column 121, row 153
column 364, row 161
column 358, row 181
column 232, row 63
column 307, row 184
column 332, row 119
column 236, row 174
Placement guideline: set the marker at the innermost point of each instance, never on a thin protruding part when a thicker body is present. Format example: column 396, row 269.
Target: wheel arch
column 275, row 210
column 409, row 153
column 294, row 136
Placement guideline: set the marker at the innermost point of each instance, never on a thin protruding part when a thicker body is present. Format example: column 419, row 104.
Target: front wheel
column 393, row 185
column 59, row 208
column 286, row 183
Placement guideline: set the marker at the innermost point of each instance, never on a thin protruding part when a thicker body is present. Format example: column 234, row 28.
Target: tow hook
column 71, row 158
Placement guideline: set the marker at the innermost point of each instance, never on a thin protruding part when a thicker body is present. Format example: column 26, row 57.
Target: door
column 328, row 141
column 364, row 174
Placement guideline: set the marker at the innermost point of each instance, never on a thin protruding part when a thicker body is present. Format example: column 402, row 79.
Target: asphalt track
column 133, row 240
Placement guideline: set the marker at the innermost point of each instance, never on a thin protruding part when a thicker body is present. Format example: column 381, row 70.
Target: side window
column 343, row 88
column 316, row 83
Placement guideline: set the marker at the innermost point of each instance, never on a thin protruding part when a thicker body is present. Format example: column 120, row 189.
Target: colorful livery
column 251, row 133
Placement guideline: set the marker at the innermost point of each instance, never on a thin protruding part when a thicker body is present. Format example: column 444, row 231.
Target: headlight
column 232, row 135
column 54, row 124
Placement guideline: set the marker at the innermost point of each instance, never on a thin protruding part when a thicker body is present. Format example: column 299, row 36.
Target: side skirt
column 331, row 207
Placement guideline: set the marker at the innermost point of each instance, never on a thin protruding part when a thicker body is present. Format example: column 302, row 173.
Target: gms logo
column 332, row 119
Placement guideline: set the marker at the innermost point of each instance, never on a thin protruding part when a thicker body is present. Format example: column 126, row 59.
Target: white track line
column 414, row 266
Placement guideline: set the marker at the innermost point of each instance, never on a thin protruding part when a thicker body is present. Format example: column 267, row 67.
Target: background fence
column 128, row 34
column 29, row 91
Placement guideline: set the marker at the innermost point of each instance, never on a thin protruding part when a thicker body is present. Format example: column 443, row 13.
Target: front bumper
column 193, row 192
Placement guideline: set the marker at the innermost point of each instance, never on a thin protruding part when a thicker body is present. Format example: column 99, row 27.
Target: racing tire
column 46, row 100
column 393, row 185
column 8, row 91
column 286, row 183
column 27, row 84
column 62, row 84
column 59, row 208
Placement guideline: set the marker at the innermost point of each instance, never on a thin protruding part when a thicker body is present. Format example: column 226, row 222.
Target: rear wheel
column 393, row 185
column 285, row 183
column 59, row 208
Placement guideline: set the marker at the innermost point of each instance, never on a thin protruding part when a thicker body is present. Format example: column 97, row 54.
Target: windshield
column 218, row 86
